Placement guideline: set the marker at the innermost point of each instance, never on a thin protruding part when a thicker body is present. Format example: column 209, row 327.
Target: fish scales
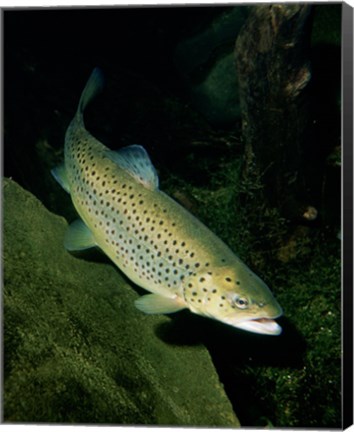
column 157, row 243
column 153, row 232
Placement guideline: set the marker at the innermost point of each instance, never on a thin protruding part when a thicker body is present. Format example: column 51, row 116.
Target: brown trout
column 157, row 243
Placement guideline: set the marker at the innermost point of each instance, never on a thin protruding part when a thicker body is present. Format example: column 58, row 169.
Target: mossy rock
column 75, row 348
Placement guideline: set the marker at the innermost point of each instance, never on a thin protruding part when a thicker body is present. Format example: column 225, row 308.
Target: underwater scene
column 172, row 216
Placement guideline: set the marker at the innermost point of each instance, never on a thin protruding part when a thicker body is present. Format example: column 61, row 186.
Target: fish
column 153, row 240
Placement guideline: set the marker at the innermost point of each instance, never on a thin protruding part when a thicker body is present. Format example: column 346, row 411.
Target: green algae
column 75, row 348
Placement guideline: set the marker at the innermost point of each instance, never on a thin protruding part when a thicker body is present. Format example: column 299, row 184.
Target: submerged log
column 272, row 55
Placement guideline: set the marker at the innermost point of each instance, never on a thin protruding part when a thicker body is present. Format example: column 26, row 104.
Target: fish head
column 237, row 297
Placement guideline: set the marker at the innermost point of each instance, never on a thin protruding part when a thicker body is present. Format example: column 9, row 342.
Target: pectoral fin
column 157, row 304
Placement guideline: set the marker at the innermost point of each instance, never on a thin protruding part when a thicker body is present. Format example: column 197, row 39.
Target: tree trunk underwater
column 272, row 56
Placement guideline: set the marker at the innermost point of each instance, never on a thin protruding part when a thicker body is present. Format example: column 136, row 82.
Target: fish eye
column 241, row 302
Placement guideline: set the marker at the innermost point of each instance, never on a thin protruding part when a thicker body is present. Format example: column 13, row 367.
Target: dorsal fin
column 136, row 162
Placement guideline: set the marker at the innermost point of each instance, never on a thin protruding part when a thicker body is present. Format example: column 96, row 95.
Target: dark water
column 149, row 100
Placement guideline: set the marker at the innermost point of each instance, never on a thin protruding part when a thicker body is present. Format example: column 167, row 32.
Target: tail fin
column 93, row 87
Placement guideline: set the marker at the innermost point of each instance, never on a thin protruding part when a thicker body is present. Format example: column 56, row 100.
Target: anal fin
column 59, row 173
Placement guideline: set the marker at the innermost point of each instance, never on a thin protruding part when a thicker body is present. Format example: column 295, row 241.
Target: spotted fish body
column 158, row 244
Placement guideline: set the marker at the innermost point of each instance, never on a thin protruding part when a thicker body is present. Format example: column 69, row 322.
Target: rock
column 77, row 350
column 207, row 63
column 217, row 96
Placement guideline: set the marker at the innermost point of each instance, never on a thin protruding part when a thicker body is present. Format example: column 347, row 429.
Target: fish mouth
column 260, row 325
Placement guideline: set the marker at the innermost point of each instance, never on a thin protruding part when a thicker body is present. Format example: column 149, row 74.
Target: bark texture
column 272, row 55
